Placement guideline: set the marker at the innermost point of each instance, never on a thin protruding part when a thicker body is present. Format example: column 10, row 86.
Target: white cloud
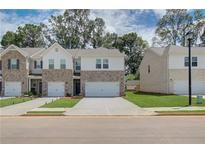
column 125, row 21
column 9, row 22
column 159, row 12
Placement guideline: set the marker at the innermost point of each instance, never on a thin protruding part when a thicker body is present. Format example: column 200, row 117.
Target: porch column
column 29, row 84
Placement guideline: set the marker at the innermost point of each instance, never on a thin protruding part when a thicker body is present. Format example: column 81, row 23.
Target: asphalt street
column 103, row 129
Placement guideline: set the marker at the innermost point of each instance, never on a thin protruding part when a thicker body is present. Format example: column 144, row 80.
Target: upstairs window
column 41, row 64
column 194, row 62
column 186, row 61
column 38, row 64
column 77, row 65
column 98, row 63
column 62, row 64
column 35, row 64
column 105, row 63
column 51, row 63
column 13, row 64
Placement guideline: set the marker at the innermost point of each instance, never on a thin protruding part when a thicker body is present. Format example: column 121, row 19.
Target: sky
column 119, row 21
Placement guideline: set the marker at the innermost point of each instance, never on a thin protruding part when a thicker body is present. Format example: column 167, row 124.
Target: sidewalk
column 49, row 110
column 22, row 108
column 189, row 108
column 1, row 98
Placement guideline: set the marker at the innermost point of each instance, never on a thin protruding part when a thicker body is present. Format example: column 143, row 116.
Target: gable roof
column 39, row 52
column 1, row 50
column 172, row 49
column 42, row 52
column 179, row 49
column 13, row 47
column 95, row 52
column 31, row 51
column 157, row 50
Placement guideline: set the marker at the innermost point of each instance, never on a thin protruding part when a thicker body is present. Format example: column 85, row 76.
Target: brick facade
column 57, row 76
column 106, row 76
column 20, row 75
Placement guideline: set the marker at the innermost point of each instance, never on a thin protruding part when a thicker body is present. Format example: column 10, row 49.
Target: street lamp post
column 190, row 36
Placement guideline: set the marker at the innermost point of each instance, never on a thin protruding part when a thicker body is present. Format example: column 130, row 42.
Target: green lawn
column 44, row 113
column 12, row 101
column 158, row 100
column 178, row 113
column 61, row 103
column 203, row 111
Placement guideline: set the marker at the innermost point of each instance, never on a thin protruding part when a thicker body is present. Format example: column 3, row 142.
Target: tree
column 8, row 39
column 74, row 29
column 198, row 26
column 202, row 37
column 110, row 40
column 133, row 46
column 172, row 27
column 30, row 35
column 97, row 30
column 156, row 42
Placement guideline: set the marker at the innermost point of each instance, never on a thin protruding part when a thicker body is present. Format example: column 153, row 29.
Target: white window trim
column 49, row 60
column 13, row 60
column 38, row 65
column 197, row 61
column 99, row 63
column 64, row 63
column 194, row 61
column 77, row 64
column 107, row 63
column 102, row 62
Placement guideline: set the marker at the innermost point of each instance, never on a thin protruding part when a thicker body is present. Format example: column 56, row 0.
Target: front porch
column 35, row 85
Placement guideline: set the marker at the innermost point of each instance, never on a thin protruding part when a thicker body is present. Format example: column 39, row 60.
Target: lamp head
column 189, row 35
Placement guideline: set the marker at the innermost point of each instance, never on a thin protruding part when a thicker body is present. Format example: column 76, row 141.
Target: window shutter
column 41, row 64
column 9, row 64
column 35, row 64
column 17, row 63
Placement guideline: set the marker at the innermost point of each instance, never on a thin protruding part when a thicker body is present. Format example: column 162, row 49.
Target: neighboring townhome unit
column 165, row 70
column 56, row 71
column 1, row 93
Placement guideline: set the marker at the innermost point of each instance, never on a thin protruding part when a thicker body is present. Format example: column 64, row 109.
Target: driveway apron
column 107, row 106
column 22, row 108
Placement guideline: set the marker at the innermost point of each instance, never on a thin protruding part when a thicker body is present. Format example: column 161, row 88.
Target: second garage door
column 181, row 87
column 102, row 89
column 56, row 89
column 12, row 88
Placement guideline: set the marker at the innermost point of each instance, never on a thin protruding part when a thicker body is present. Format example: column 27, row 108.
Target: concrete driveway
column 107, row 106
column 22, row 108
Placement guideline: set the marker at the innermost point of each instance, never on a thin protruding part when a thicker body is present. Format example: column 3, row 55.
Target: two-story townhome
column 1, row 73
column 165, row 70
column 56, row 71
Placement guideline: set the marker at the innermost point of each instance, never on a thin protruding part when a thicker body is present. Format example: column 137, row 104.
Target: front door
column 40, row 88
column 76, row 87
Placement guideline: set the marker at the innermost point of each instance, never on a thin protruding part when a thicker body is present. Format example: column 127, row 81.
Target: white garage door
column 181, row 87
column 56, row 89
column 98, row 89
column 12, row 88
